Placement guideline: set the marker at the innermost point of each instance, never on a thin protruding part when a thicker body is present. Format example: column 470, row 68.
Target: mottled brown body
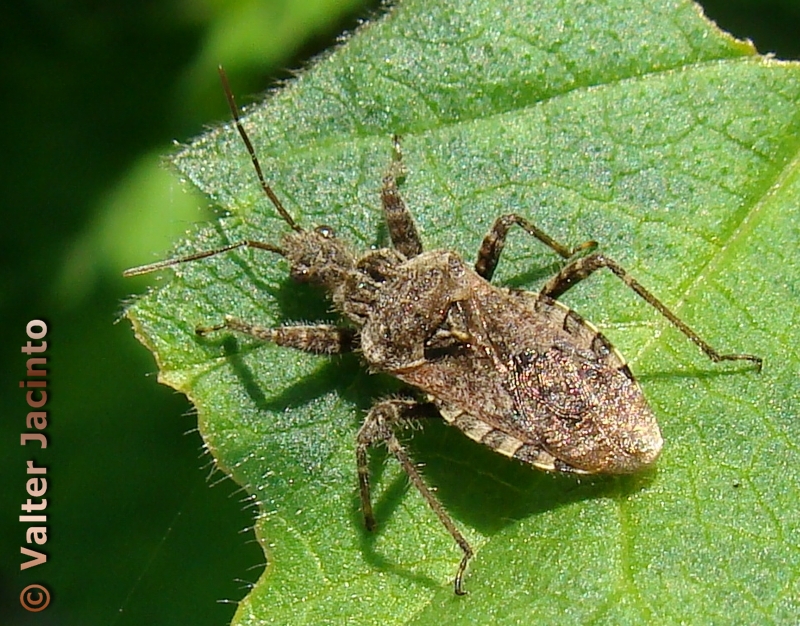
column 516, row 371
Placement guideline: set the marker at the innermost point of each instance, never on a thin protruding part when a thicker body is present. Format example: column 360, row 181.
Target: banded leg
column 402, row 229
column 378, row 428
column 318, row 339
column 582, row 268
column 495, row 241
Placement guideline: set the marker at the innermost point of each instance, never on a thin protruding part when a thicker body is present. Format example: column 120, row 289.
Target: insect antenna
column 251, row 151
column 249, row 243
column 160, row 265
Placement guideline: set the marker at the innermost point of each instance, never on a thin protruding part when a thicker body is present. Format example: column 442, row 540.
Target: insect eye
column 325, row 231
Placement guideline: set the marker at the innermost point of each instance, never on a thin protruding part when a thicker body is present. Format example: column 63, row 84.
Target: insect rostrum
column 514, row 370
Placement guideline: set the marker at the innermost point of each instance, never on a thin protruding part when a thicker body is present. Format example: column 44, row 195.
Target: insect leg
column 402, row 229
column 579, row 269
column 495, row 241
column 317, row 339
column 379, row 427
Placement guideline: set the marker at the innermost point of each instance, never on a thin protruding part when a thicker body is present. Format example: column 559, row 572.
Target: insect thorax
column 353, row 283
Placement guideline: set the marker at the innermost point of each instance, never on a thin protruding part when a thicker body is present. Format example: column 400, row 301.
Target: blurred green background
column 141, row 530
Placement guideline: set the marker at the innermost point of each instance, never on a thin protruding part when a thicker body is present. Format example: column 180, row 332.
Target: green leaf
column 636, row 124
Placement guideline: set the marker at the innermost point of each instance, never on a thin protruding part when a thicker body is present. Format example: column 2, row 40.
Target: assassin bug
column 517, row 371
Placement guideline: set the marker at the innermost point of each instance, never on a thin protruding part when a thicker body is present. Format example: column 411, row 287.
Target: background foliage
column 92, row 95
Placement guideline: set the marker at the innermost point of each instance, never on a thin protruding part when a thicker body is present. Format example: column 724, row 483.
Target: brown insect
column 517, row 371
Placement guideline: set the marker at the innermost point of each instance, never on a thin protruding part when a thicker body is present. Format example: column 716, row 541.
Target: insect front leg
column 495, row 241
column 402, row 229
column 317, row 339
column 379, row 428
column 582, row 268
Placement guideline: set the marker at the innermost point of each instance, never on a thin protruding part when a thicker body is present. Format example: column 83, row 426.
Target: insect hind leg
column 379, row 428
column 582, row 268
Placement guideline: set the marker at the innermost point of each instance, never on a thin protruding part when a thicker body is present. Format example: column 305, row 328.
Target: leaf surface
column 642, row 127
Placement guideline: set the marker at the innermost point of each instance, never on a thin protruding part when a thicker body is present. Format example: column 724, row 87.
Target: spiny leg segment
column 582, row 268
column 379, row 427
column 495, row 241
column 317, row 339
column 402, row 229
